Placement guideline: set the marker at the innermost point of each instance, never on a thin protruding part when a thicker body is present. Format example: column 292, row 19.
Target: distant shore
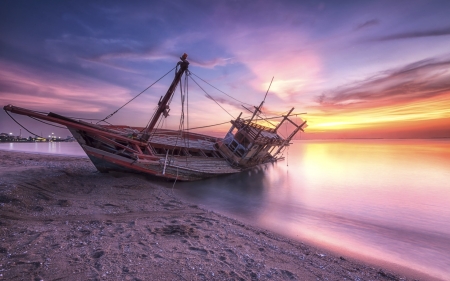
column 32, row 141
column 61, row 219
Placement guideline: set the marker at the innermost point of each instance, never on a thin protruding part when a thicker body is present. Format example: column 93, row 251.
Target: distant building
column 7, row 137
column 4, row 137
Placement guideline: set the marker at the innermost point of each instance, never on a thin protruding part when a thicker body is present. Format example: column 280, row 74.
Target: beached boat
column 177, row 154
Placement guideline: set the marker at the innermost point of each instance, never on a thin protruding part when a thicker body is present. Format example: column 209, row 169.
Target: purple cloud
column 415, row 34
column 367, row 24
column 419, row 80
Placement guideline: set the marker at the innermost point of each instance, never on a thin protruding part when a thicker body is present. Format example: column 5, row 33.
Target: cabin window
column 242, row 139
column 233, row 145
column 240, row 151
column 209, row 154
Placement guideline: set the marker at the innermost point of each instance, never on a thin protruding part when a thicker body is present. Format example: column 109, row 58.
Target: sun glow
column 284, row 88
column 430, row 109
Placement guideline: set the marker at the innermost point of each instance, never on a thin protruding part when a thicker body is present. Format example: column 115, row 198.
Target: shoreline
column 62, row 219
column 44, row 153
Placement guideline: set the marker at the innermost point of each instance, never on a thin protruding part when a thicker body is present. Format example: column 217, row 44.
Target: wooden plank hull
column 183, row 168
column 176, row 169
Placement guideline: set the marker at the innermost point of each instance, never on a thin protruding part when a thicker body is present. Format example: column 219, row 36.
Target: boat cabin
column 248, row 143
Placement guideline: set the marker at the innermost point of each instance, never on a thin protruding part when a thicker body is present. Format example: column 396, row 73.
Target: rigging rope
column 47, row 123
column 181, row 125
column 23, row 126
column 186, row 93
column 207, row 126
column 221, row 90
column 154, row 113
column 187, row 103
column 109, row 116
column 211, row 97
column 265, row 119
column 158, row 126
column 150, row 120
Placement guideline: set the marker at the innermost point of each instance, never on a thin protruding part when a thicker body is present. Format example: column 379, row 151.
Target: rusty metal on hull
column 171, row 154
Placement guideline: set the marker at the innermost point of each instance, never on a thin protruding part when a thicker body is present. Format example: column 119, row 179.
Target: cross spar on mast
column 163, row 107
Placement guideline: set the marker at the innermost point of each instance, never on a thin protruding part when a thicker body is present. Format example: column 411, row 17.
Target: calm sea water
column 62, row 148
column 381, row 199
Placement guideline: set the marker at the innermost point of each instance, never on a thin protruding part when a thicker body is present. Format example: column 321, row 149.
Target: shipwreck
column 177, row 154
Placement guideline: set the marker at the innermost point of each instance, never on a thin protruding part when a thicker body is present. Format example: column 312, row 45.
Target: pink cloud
column 417, row 81
column 275, row 52
column 24, row 87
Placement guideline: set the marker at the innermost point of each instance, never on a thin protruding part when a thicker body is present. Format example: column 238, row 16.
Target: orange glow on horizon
column 405, row 116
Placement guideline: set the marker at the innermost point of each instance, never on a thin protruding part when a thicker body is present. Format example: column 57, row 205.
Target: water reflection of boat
column 176, row 154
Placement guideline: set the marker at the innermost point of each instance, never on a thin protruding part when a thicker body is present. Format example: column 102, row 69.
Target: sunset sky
column 359, row 69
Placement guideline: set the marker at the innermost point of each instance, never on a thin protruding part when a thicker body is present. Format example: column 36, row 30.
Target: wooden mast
column 163, row 108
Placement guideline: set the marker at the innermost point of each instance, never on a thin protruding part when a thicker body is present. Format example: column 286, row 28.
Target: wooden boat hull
column 183, row 168
column 107, row 163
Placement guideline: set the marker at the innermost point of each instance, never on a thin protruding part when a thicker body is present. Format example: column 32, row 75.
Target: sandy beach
column 63, row 220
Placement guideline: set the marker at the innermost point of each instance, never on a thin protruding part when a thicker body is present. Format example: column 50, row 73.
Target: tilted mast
column 163, row 107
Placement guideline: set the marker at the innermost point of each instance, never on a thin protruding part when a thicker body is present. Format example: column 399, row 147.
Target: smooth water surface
column 382, row 199
column 63, row 148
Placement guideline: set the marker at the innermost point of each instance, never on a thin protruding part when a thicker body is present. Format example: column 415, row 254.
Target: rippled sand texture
column 62, row 220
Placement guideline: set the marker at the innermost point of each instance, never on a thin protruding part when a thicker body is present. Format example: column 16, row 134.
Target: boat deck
column 202, row 164
column 171, row 140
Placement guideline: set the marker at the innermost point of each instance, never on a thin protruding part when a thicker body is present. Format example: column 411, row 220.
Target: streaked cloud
column 367, row 24
column 444, row 31
column 43, row 91
column 421, row 80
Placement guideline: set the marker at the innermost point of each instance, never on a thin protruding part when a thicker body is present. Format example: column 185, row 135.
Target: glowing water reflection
column 385, row 199
column 63, row 148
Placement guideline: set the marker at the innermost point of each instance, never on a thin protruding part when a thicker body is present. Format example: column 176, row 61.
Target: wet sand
column 60, row 219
